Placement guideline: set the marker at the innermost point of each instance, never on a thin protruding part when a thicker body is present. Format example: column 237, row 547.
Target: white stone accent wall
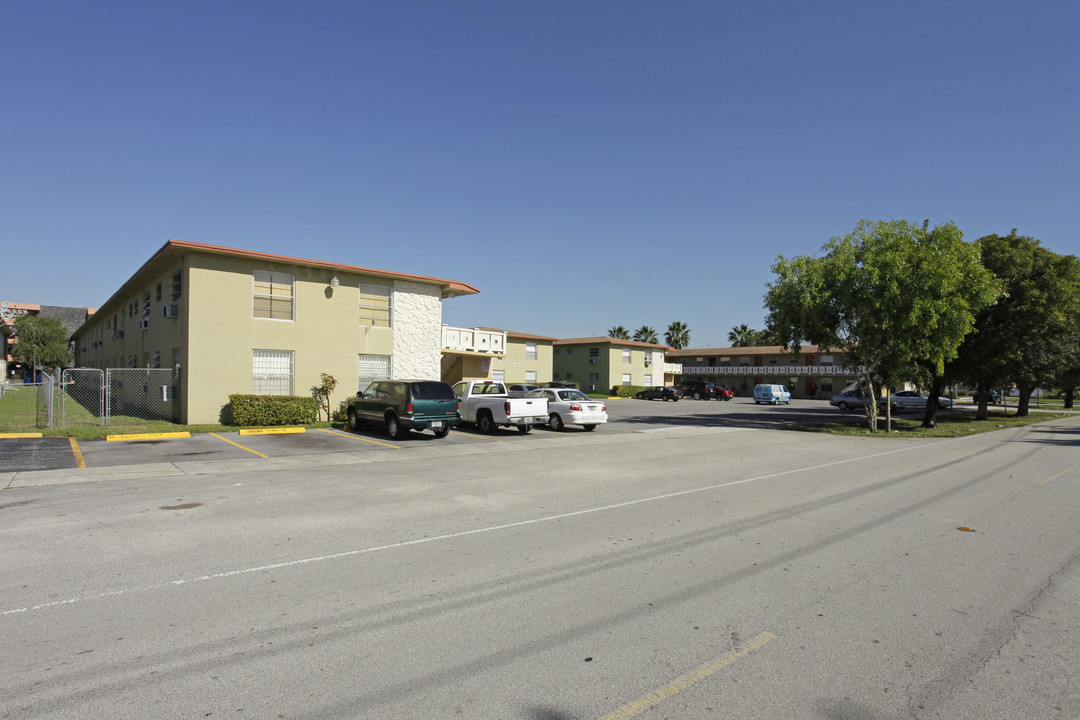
column 417, row 330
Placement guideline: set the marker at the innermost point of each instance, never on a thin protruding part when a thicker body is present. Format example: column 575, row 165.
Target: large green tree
column 888, row 296
column 1029, row 337
column 619, row 333
column 677, row 335
column 742, row 336
column 646, row 334
column 41, row 339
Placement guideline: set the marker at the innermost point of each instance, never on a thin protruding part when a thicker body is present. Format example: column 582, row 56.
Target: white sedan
column 571, row 407
column 914, row 400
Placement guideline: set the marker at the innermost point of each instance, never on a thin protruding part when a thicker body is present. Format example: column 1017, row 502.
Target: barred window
column 530, row 351
column 271, row 372
column 370, row 368
column 273, row 293
column 375, row 305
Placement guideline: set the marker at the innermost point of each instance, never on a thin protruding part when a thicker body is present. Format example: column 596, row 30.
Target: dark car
column 704, row 390
column 403, row 405
column 520, row 389
column 660, row 392
column 559, row 384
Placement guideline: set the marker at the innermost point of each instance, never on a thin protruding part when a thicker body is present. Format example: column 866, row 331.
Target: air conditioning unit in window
column 117, row 334
column 144, row 324
column 170, row 311
column 593, row 361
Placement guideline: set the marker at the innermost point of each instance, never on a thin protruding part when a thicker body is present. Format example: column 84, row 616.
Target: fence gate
column 82, row 397
column 135, row 395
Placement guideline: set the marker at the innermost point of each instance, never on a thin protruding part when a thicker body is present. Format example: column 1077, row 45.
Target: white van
column 772, row 394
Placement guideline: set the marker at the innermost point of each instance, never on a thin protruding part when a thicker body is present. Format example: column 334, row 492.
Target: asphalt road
column 692, row 570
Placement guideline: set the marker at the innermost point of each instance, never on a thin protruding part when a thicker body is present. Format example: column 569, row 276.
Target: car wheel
column 442, row 432
column 393, row 427
column 842, row 405
column 354, row 422
column 555, row 422
column 697, row 396
column 485, row 423
column 589, row 428
column 524, row 429
column 666, row 398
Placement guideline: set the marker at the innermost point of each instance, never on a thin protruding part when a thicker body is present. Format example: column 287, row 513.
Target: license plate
column 437, row 424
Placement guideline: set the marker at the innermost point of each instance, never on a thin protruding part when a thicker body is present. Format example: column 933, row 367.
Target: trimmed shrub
column 625, row 391
column 269, row 410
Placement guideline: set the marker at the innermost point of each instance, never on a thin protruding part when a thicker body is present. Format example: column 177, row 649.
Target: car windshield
column 572, row 395
column 432, row 391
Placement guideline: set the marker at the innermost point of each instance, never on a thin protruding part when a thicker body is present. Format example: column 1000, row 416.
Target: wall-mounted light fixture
column 334, row 282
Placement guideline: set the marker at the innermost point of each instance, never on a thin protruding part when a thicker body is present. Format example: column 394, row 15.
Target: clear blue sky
column 585, row 164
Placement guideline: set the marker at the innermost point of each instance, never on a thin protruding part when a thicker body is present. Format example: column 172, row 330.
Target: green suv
column 403, row 405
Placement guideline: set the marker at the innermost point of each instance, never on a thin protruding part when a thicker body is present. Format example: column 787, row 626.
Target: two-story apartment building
column 809, row 373
column 597, row 364
column 237, row 321
column 528, row 359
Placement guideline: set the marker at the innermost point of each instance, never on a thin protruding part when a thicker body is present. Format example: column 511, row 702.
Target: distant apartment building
column 70, row 317
column 810, row 373
column 598, row 364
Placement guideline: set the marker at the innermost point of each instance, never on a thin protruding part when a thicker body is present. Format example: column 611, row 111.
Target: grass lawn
column 949, row 424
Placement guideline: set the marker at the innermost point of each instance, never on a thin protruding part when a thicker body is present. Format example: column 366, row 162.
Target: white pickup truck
column 488, row 405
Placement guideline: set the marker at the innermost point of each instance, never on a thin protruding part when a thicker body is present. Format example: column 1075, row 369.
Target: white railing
column 473, row 340
column 768, row 370
column 673, row 368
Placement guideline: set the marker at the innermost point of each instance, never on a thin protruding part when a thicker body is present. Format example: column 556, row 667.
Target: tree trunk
column 870, row 406
column 1024, row 400
column 982, row 397
column 930, row 416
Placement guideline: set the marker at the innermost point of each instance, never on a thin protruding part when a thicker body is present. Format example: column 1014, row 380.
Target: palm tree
column 619, row 333
column 646, row 334
column 742, row 336
column 677, row 335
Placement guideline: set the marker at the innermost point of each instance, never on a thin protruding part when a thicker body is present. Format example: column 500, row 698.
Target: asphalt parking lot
column 20, row 456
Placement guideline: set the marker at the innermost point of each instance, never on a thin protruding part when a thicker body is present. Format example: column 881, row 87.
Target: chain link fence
column 87, row 396
column 28, row 405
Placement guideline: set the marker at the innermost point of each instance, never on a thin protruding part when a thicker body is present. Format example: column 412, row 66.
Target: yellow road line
column 1055, row 477
column 79, row 462
column 683, row 682
column 272, row 431
column 239, row 445
column 357, row 437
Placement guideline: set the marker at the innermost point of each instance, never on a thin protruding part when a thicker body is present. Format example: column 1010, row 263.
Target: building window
column 177, row 282
column 594, row 380
column 626, row 378
column 827, row 360
column 375, row 305
column 530, row 377
column 555, row 351
column 530, row 351
column 273, row 292
column 625, row 357
column 594, row 352
column 158, row 293
column 176, row 359
column 569, row 376
column 370, row 368
column 271, row 372
column 498, row 375
column 648, row 378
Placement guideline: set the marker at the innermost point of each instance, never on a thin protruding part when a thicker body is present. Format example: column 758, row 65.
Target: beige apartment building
column 597, row 364
column 528, row 359
column 809, row 373
column 237, row 321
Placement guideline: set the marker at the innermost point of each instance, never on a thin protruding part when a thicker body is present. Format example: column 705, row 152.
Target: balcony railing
column 473, row 340
column 782, row 370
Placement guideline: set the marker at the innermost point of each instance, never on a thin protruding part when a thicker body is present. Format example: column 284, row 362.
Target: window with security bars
column 273, row 295
column 370, row 368
column 375, row 305
column 530, row 351
column 271, row 372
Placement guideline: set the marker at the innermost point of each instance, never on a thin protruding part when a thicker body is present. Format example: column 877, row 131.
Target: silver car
column 571, row 407
column 914, row 400
column 520, row 389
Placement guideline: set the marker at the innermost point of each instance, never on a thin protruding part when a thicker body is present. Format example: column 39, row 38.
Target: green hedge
column 624, row 391
column 264, row 410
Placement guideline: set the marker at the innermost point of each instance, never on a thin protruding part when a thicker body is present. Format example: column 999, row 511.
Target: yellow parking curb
column 272, row 431
column 20, row 435
column 148, row 436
